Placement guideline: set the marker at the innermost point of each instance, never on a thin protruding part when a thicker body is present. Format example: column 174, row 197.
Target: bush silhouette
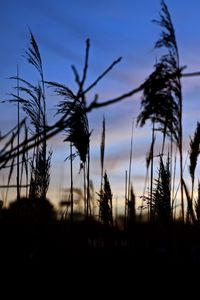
column 28, row 210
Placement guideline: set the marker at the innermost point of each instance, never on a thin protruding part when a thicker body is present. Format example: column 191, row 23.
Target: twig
column 96, row 104
column 102, row 75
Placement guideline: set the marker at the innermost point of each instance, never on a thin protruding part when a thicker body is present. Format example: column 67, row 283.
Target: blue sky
column 115, row 28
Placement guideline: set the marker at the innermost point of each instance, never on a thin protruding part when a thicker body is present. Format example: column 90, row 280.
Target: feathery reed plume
column 162, row 193
column 172, row 69
column 193, row 154
column 162, row 94
column 78, row 128
column 39, row 186
column 160, row 200
column 74, row 108
column 33, row 56
column 105, row 203
column 34, row 105
column 159, row 107
column 31, row 105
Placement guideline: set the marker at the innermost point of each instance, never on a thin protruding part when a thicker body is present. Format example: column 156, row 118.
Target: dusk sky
column 115, row 28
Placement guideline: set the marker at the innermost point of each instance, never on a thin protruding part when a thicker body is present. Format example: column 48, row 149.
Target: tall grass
column 161, row 104
column 102, row 154
column 194, row 153
column 33, row 102
column 162, row 193
column 33, row 56
column 162, row 93
column 172, row 69
column 105, row 203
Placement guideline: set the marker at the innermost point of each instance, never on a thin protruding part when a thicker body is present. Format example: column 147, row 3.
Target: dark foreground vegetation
column 40, row 239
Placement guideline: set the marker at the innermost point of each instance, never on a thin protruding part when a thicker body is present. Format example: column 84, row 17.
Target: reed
column 105, row 203
column 161, row 104
column 193, row 154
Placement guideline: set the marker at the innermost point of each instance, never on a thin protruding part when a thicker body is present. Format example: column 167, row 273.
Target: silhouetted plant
column 105, row 203
column 33, row 104
column 162, row 193
column 194, row 152
column 171, row 64
column 34, row 58
column 78, row 131
column 162, row 100
column 197, row 204
column 32, row 107
column 102, row 153
column 78, row 128
column 189, row 202
column 161, row 197
column 158, row 106
column 31, row 210
column 131, row 208
column 39, row 186
column 102, row 149
column 74, row 109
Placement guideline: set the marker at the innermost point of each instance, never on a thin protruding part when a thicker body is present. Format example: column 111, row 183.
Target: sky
column 115, row 28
